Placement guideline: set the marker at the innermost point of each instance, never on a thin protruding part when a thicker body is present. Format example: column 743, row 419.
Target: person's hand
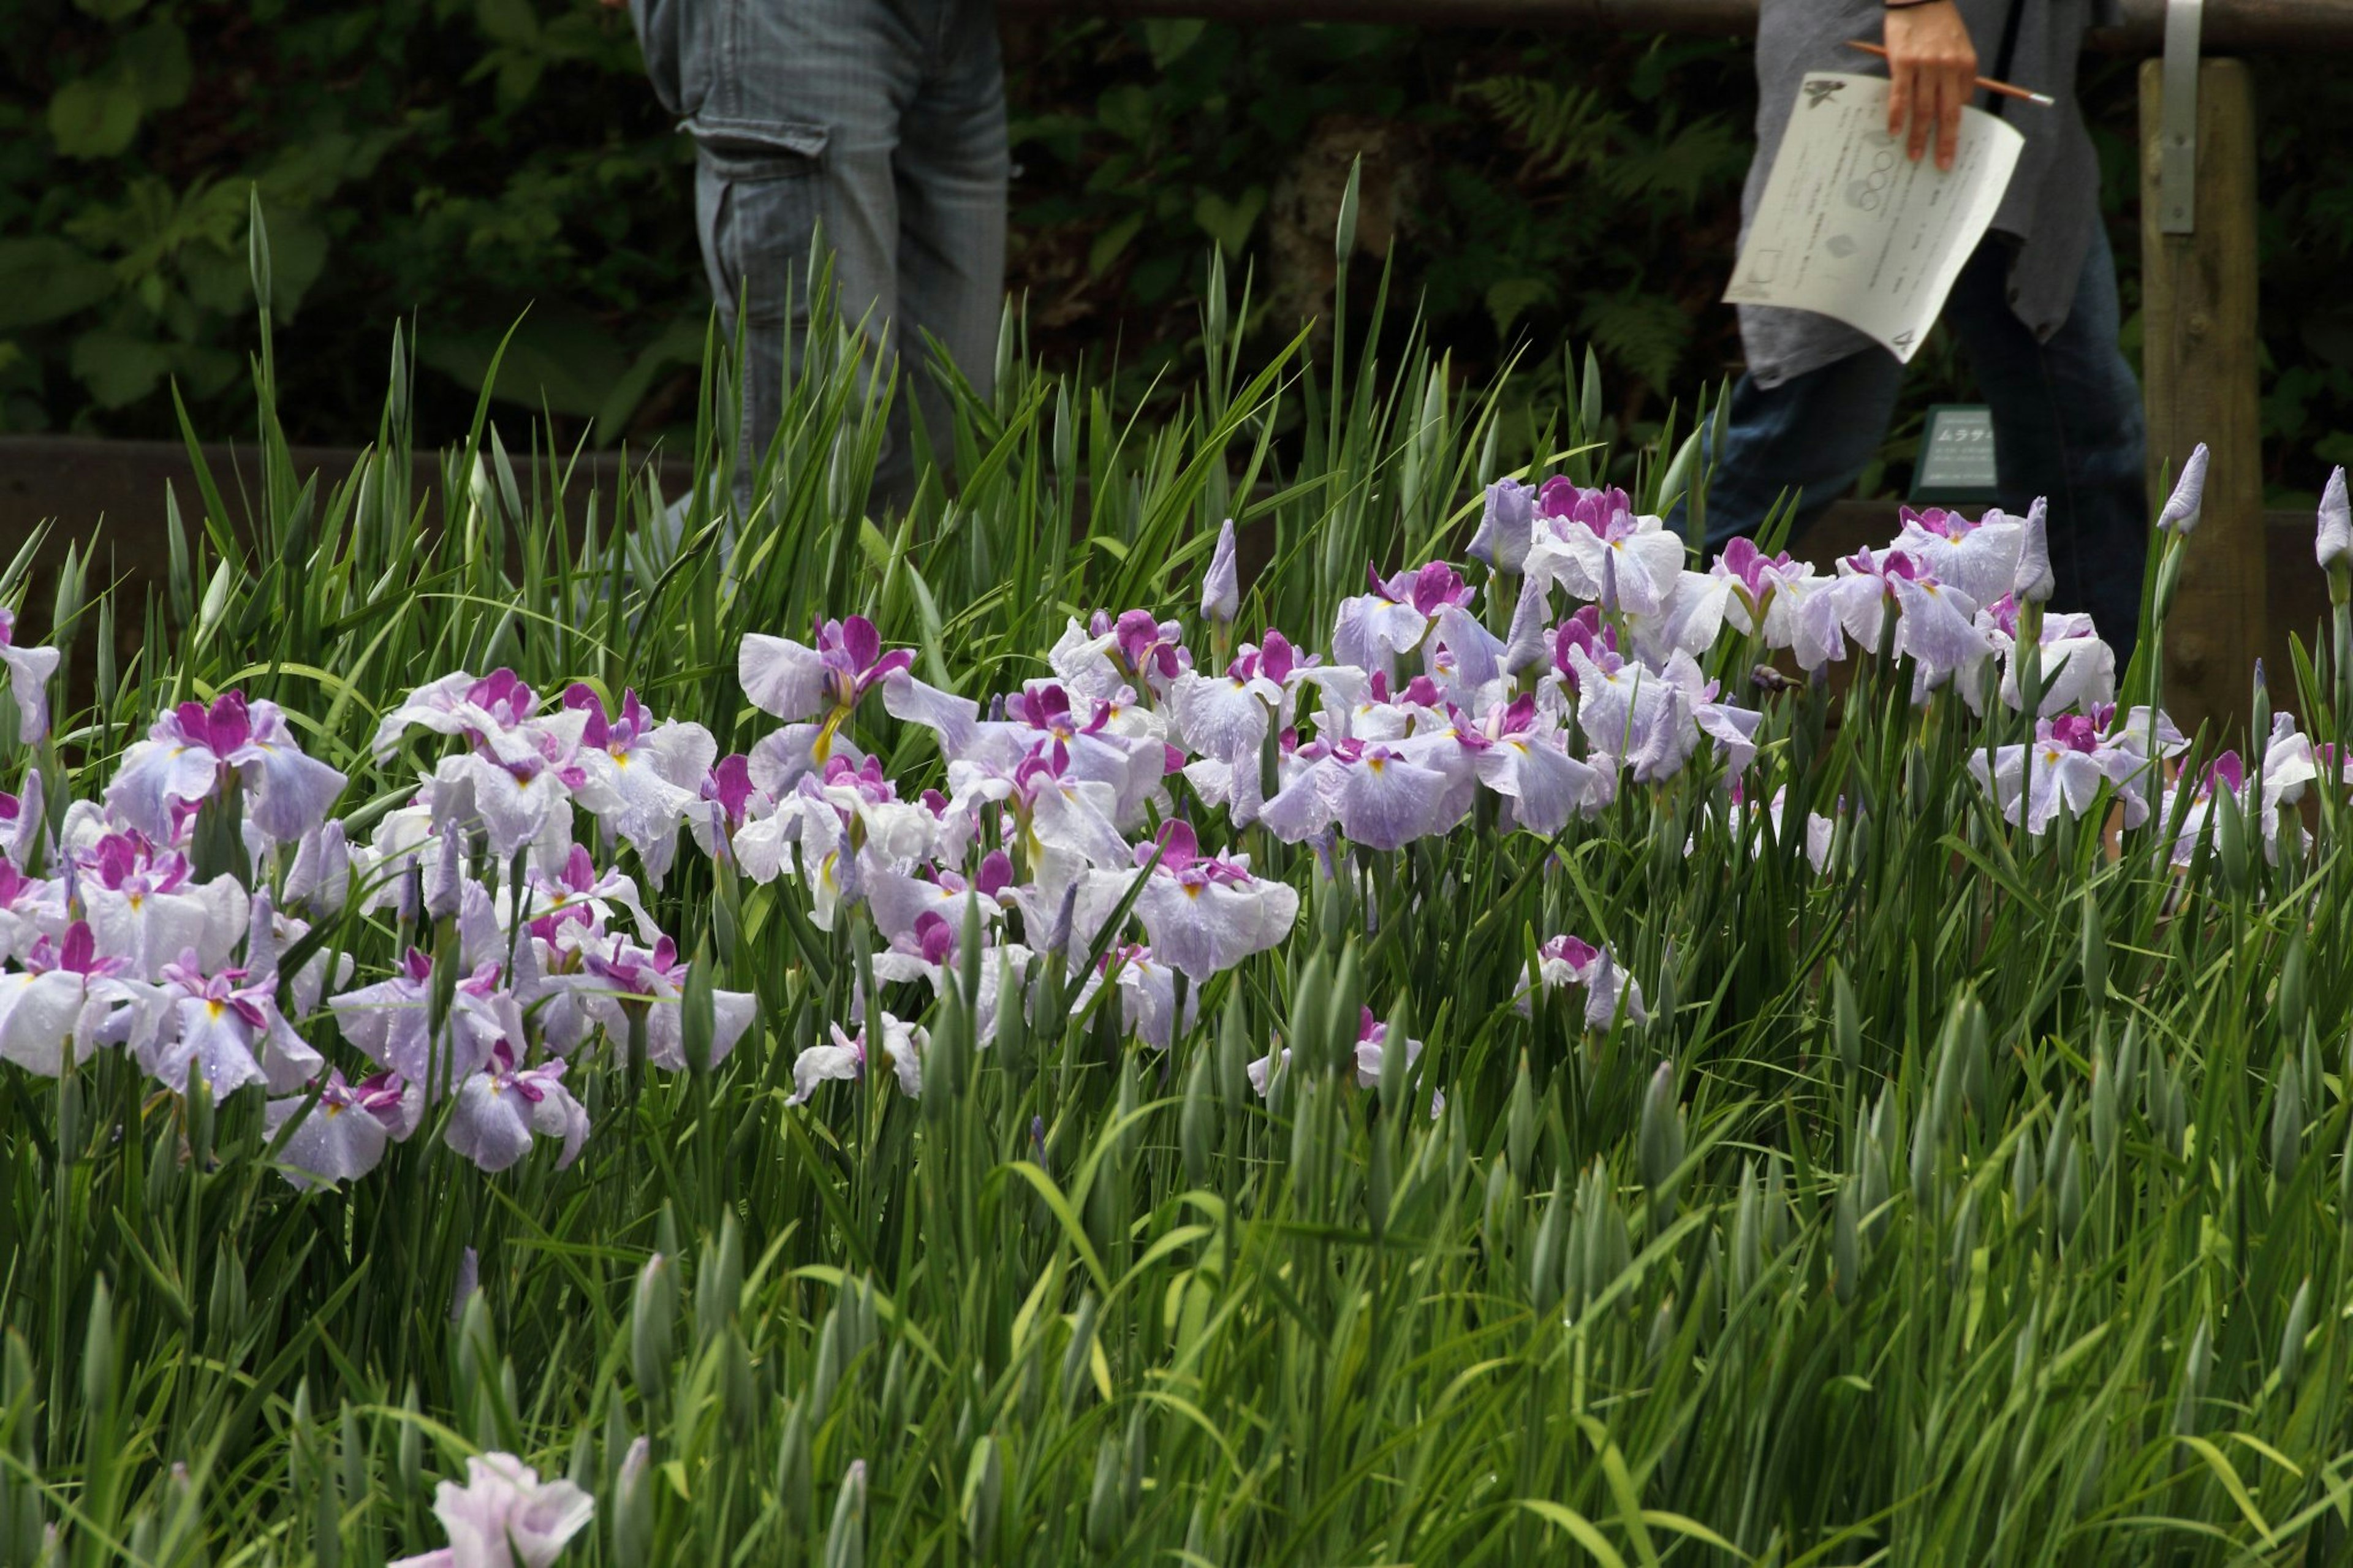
column 1932, row 70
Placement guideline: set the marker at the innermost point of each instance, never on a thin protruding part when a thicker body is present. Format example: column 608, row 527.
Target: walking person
column 2035, row 307
column 878, row 124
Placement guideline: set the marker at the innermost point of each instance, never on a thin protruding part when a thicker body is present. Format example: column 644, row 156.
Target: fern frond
column 1563, row 127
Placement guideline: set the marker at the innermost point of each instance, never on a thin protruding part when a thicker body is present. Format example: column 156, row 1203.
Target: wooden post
column 2198, row 360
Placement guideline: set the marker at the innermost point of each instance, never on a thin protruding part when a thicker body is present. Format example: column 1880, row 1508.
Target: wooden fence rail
column 2241, row 26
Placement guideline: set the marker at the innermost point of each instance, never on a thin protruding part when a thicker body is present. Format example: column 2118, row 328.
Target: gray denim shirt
column 2054, row 199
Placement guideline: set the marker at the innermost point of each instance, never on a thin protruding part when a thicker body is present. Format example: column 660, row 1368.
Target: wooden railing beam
column 2236, row 25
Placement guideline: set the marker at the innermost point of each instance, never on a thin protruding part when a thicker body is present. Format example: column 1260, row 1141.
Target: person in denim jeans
column 878, row 124
column 2035, row 307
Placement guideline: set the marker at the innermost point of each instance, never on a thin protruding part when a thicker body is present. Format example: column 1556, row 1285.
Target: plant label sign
column 1850, row 227
column 1956, row 465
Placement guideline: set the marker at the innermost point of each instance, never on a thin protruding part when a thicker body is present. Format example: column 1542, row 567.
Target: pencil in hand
column 2002, row 89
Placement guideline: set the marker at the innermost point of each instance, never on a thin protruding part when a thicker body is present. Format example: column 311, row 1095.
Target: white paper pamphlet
column 1851, row 228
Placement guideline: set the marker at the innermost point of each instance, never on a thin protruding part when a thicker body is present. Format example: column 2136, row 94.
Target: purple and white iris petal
column 1688, row 620
column 1979, row 559
column 30, row 669
column 1147, row 996
column 1221, row 594
column 783, row 677
column 1938, row 630
column 1636, row 560
column 1222, row 716
column 38, row 1013
column 514, row 807
column 1385, row 801
column 1732, row 728
column 1506, row 527
column 2079, row 670
column 154, row 776
column 842, row 1061
column 1478, row 653
column 1371, row 631
column 2333, row 537
column 2187, row 504
column 504, row 1517
column 1204, row 914
column 781, row 759
column 954, row 719
column 1528, row 645
column 339, row 1139
column 287, row 793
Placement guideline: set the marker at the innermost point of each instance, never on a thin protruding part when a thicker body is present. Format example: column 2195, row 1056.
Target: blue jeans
column 878, row 124
column 2067, row 426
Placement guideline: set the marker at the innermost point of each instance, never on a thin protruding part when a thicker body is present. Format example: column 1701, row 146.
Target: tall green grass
column 1983, row 1200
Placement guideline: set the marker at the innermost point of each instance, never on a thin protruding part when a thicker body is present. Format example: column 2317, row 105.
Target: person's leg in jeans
column 2068, row 429
column 1813, row 434
column 952, row 171
column 799, row 138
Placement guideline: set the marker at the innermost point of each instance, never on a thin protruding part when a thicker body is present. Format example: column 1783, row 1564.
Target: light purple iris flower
column 2187, row 504
column 1767, row 598
column 521, row 767
column 1379, row 795
column 793, row 681
column 1202, row 913
column 30, row 909
column 1106, row 661
column 1147, row 994
column 60, row 1001
column 1567, row 960
column 1855, row 603
column 1370, row 1053
column 504, row 1517
column 642, row 778
column 2333, row 538
column 343, row 1135
column 389, row 1022
column 1225, row 717
column 1506, row 527
column 189, row 755
column 653, row 980
column 1221, row 593
column 1653, row 720
column 899, row 900
column 144, row 905
column 2078, row 669
column 30, row 669
column 1373, row 629
column 844, row 1059
column 1593, row 546
column 1518, row 752
column 1938, row 631
column 230, row 1032
column 499, row 1108
column 1979, row 558
column 2062, row 773
column 575, row 884
column 21, row 828
column 2290, row 763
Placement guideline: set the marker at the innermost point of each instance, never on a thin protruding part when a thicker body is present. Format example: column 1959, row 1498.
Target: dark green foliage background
column 466, row 162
